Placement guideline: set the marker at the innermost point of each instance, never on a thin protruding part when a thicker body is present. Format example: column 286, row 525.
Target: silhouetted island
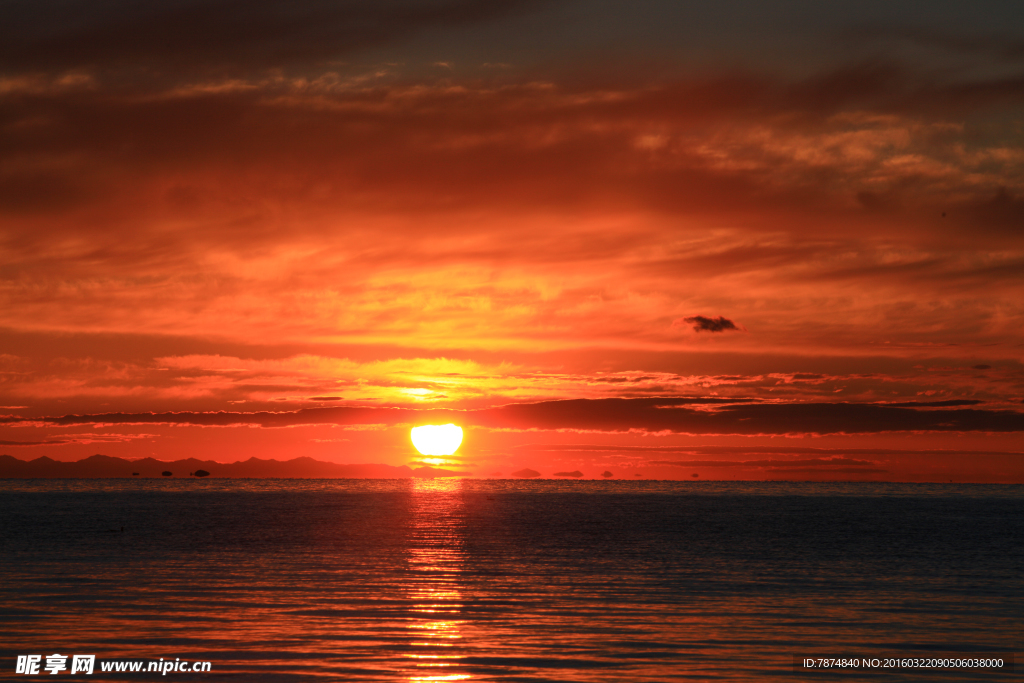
column 574, row 473
column 105, row 466
column 526, row 472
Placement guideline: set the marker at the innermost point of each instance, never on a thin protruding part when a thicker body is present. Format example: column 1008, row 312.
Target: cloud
column 238, row 194
column 998, row 44
column 845, row 464
column 34, row 443
column 91, row 438
column 701, row 323
column 58, row 374
column 432, row 247
column 755, row 449
column 724, row 136
column 671, row 415
column 678, row 415
column 936, row 404
column 216, row 34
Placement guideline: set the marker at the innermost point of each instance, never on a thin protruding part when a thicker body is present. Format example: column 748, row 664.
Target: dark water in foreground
column 451, row 580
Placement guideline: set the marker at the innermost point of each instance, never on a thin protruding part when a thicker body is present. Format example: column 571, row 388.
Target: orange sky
column 794, row 221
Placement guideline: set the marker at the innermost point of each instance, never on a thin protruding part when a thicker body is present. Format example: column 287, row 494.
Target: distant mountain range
column 104, row 466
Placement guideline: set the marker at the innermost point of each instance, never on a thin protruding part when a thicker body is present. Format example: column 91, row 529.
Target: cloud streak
column 671, row 415
column 756, row 449
column 837, row 463
column 218, row 34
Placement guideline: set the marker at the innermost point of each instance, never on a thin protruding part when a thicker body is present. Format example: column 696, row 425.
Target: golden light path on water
column 436, row 562
column 454, row 580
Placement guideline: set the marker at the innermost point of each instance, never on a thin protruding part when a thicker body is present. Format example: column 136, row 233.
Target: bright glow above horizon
column 437, row 439
column 340, row 239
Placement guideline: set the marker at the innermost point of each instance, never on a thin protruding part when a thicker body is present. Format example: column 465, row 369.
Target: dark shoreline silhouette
column 105, row 466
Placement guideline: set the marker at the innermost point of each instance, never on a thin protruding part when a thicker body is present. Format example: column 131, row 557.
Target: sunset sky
column 736, row 239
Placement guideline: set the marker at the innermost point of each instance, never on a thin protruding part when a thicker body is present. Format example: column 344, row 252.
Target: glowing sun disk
column 437, row 439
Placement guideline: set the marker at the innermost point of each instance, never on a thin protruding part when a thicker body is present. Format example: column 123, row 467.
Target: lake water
column 499, row 580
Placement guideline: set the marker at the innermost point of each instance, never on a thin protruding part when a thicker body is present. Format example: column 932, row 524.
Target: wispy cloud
column 837, row 463
column 90, row 438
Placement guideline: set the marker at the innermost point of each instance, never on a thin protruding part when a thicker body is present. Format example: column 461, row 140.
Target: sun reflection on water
column 436, row 561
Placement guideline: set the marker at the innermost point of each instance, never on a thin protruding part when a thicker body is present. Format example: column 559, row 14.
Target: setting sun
column 437, row 439
column 716, row 291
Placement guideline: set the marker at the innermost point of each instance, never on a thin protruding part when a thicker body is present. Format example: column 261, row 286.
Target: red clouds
column 338, row 205
column 210, row 215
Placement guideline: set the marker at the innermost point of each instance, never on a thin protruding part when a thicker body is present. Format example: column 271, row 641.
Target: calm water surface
column 449, row 580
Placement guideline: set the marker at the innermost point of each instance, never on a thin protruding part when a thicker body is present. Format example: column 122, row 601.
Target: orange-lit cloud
column 524, row 251
column 199, row 218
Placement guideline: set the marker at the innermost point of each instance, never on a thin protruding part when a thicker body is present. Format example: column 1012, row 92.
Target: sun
column 437, row 439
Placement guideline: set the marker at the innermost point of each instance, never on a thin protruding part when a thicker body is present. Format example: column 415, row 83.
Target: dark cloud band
column 610, row 415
